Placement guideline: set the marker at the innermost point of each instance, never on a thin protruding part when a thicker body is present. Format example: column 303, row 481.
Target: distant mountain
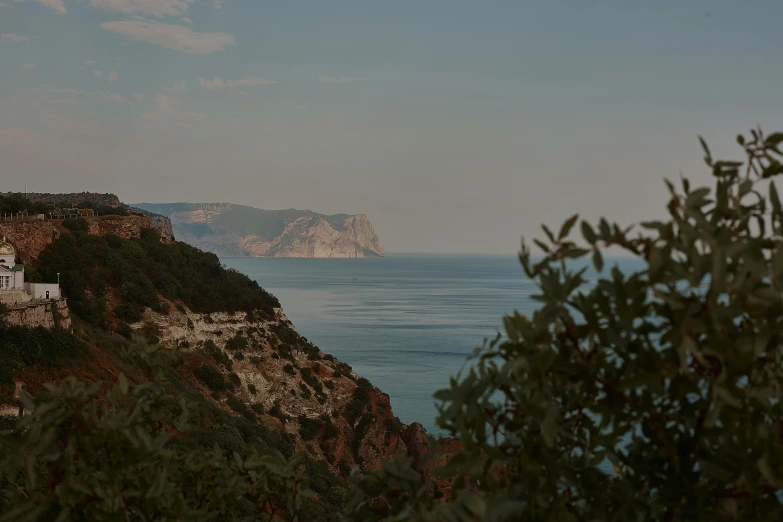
column 238, row 230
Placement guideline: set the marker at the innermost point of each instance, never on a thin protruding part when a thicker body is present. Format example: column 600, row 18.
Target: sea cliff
column 236, row 230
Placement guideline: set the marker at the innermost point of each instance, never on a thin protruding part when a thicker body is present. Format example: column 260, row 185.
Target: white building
column 42, row 290
column 11, row 273
column 13, row 288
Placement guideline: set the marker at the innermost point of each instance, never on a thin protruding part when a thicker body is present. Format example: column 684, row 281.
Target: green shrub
column 128, row 312
column 138, row 270
column 308, row 428
column 275, row 411
column 239, row 356
column 76, row 224
column 23, row 347
column 238, row 406
column 211, row 377
column 258, row 408
column 251, row 387
column 289, row 369
column 237, row 343
column 124, row 330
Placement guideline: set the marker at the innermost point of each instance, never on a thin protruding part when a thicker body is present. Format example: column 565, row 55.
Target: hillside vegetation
column 97, row 272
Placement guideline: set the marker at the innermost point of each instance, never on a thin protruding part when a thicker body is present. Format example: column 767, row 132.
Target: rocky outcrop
column 125, row 227
column 236, row 230
column 31, row 237
column 163, row 225
column 48, row 315
column 315, row 237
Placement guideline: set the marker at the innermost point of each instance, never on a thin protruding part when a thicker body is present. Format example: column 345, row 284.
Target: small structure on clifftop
column 13, row 288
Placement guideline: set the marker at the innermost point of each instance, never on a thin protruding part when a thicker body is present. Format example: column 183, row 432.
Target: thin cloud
column 112, row 77
column 139, row 96
column 105, row 96
column 57, row 5
column 148, row 116
column 13, row 38
column 329, row 79
column 168, row 106
column 187, row 20
column 247, row 81
column 170, row 36
column 179, row 86
column 28, row 66
column 98, row 73
column 89, row 63
column 159, row 8
column 64, row 125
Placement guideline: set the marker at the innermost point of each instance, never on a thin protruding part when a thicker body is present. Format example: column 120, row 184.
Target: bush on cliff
column 141, row 269
column 22, row 347
column 671, row 375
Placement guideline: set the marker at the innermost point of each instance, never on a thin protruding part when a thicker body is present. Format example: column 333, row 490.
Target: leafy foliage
column 671, row 374
column 140, row 269
column 132, row 470
column 22, row 347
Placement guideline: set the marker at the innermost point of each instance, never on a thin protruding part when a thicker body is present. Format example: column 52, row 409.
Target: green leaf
column 566, row 228
column 548, row 233
column 772, row 170
column 606, row 231
column 588, row 233
column 598, row 260
column 123, row 384
column 707, row 155
column 541, row 245
column 774, row 139
column 773, row 196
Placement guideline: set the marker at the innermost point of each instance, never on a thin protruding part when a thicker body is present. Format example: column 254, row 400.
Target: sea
column 405, row 322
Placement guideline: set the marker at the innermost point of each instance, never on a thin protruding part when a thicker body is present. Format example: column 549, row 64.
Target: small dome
column 6, row 248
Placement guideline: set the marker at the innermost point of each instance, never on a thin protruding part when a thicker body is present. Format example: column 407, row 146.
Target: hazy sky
column 458, row 126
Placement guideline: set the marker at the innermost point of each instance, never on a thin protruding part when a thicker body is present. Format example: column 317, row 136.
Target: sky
column 457, row 126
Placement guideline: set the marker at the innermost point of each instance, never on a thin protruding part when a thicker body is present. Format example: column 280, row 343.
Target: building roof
column 6, row 248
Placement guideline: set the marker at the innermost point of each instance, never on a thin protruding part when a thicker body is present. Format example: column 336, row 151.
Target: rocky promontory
column 237, row 230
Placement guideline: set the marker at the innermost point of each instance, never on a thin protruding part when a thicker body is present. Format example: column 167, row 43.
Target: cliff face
column 320, row 403
column 326, row 408
column 31, row 237
column 236, row 230
column 47, row 315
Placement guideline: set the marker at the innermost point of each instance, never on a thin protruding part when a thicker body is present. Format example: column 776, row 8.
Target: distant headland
column 237, row 230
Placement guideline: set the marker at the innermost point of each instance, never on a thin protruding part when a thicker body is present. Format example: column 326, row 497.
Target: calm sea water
column 405, row 322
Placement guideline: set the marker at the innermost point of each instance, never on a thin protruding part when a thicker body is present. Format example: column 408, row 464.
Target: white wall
column 38, row 290
column 17, row 280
